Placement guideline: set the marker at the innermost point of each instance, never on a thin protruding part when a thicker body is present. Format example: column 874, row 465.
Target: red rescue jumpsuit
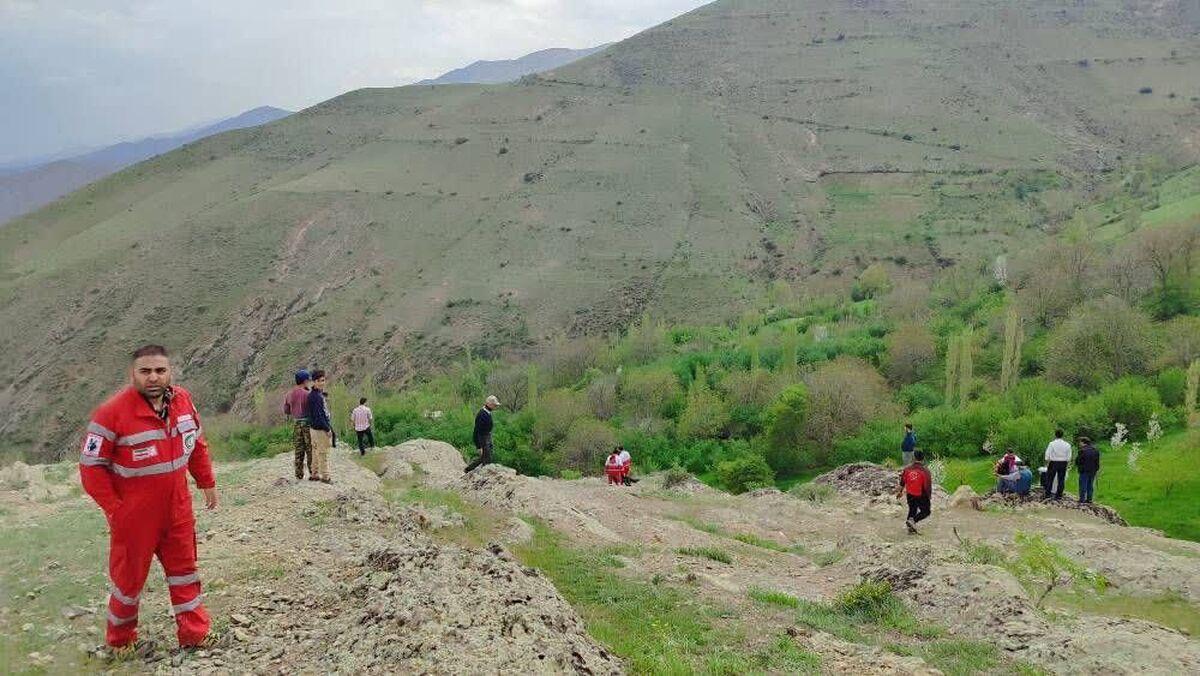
column 133, row 463
column 614, row 469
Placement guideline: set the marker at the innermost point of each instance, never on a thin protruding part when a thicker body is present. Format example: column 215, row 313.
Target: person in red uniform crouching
column 137, row 451
column 614, row 469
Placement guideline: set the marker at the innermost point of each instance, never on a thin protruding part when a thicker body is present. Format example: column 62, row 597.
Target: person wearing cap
column 626, row 466
column 483, row 433
column 295, row 407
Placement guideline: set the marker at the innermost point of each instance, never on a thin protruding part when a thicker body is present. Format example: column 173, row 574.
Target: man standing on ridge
column 1087, row 463
column 1058, row 456
column 483, row 433
column 137, row 451
column 320, row 428
column 908, row 445
column 362, row 418
column 295, row 407
column 916, row 484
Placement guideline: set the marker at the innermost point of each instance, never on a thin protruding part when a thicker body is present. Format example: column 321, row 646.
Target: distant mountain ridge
column 25, row 189
column 496, row 72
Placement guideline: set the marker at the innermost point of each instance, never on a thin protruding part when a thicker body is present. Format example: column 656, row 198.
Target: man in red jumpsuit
column 137, row 451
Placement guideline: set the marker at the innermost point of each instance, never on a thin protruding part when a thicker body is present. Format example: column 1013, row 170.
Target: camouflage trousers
column 302, row 446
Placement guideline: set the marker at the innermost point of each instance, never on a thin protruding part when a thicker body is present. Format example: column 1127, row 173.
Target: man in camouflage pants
column 295, row 406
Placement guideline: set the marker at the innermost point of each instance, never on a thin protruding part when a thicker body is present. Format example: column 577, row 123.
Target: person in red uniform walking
column 137, row 451
column 916, row 484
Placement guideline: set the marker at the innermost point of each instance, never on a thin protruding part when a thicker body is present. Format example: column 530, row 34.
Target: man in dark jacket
column 320, row 428
column 908, row 445
column 483, row 433
column 1088, row 464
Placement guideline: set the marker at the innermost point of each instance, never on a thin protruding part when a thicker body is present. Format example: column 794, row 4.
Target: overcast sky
column 77, row 73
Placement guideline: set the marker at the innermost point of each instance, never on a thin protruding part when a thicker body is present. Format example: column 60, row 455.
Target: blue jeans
column 1087, row 481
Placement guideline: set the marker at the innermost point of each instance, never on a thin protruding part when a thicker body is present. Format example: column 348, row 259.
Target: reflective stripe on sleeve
column 96, row 428
column 87, row 460
column 177, row 580
column 148, row 435
column 188, row 605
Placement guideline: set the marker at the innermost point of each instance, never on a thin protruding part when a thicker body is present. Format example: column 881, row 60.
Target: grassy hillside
column 678, row 174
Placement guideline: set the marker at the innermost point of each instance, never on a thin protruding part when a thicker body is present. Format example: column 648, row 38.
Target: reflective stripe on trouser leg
column 129, row 553
column 177, row 553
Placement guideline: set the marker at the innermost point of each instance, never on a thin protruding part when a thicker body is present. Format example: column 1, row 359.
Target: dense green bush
column 1103, row 340
column 745, row 473
column 786, row 420
column 1131, row 402
column 587, row 443
column 918, row 396
column 1172, row 386
column 1027, row 436
column 877, row 441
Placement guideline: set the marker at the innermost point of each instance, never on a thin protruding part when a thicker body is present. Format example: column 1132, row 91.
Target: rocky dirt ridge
column 863, row 524
column 316, row 578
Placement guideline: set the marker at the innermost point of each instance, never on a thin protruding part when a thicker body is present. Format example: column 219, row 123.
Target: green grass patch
column 954, row 657
column 1169, row 609
column 764, row 543
column 712, row 553
column 1160, row 493
column 775, row 598
column 656, row 628
column 47, row 564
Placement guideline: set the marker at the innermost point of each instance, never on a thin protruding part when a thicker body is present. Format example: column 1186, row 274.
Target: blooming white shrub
column 1118, row 438
column 1154, row 432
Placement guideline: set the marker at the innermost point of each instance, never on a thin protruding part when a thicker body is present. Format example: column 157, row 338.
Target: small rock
column 27, row 627
column 241, row 620
column 241, row 635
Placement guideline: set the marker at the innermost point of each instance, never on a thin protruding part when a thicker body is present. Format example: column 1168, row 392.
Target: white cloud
column 85, row 72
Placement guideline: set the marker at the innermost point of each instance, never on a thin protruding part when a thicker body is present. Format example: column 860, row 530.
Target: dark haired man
column 1088, row 464
column 362, row 418
column 320, row 428
column 1058, row 456
column 916, row 484
column 908, row 445
column 137, row 451
column 295, row 406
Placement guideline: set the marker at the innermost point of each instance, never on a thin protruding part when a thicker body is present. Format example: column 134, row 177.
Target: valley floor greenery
column 1097, row 333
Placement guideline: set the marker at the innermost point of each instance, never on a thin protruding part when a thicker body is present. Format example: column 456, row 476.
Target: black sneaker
column 911, row 525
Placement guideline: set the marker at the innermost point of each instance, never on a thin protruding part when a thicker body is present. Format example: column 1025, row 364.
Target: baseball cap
column 492, row 400
column 302, row 376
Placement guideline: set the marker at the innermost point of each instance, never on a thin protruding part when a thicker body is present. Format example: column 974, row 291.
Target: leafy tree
column 745, row 473
column 843, row 394
column 556, row 411
column 786, row 421
column 911, row 353
column 564, row 361
column 704, row 415
column 1103, row 340
column 602, row 395
column 1193, row 387
column 587, row 443
column 1014, row 335
column 873, row 282
column 649, row 394
column 511, row 386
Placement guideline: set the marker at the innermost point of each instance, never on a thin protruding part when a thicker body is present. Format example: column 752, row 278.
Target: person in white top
column 626, row 465
column 362, row 419
column 1058, row 456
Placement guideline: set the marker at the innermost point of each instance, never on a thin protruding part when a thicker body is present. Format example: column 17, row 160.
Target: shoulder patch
column 91, row 445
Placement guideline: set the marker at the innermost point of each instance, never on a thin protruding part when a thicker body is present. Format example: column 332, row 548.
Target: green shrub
column 785, row 424
column 842, row 396
column 812, row 492
column 877, row 441
column 1131, row 402
column 756, row 541
column 868, row 601
column 705, row 415
column 1172, row 386
column 676, row 476
column 1043, row 567
column 745, row 473
column 712, row 553
column 587, row 444
column 1103, row 340
column 1027, row 435
column 771, row 597
column 570, row 474
column 556, row 411
column 649, row 394
column 1087, row 418
column 918, row 396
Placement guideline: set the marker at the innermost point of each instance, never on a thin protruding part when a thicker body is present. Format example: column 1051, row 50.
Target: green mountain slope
column 677, row 173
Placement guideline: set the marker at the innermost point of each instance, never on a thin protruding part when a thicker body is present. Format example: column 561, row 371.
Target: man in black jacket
column 483, row 433
column 1088, row 464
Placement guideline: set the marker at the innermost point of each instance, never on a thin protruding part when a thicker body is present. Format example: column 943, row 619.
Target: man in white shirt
column 1058, row 456
column 627, row 466
column 362, row 418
